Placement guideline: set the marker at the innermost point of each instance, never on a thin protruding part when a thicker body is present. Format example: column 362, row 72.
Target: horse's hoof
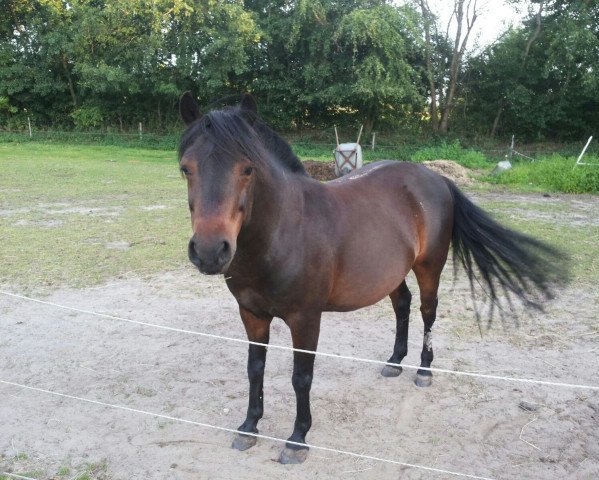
column 391, row 371
column 243, row 442
column 290, row 456
column 423, row 380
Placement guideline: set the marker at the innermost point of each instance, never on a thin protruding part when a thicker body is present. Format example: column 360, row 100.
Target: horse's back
column 409, row 187
column 414, row 174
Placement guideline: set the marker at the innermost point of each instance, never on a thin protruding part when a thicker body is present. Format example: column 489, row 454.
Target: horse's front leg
column 304, row 332
column 258, row 330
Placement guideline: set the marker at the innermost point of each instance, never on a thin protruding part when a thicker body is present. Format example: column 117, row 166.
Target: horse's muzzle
column 211, row 258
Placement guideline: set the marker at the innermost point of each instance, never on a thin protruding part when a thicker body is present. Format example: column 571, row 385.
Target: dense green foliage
column 98, row 65
column 452, row 151
column 554, row 173
column 540, row 86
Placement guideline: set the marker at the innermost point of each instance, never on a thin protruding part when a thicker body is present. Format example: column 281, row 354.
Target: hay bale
column 452, row 170
column 325, row 171
column 322, row 171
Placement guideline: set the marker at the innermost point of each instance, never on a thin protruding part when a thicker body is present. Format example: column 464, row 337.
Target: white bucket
column 348, row 157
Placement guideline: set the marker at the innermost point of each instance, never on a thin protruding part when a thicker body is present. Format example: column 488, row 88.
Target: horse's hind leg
column 401, row 299
column 428, row 281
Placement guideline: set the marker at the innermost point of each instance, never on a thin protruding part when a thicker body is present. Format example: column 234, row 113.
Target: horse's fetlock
column 256, row 412
column 302, row 426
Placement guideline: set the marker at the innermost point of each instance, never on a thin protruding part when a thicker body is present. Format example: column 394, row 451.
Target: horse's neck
column 278, row 197
column 282, row 225
column 278, row 147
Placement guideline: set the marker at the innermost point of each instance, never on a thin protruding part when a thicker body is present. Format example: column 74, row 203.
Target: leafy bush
column 87, row 116
column 452, row 151
column 5, row 105
column 553, row 173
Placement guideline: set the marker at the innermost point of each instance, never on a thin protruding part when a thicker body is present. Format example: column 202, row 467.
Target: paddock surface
column 468, row 425
column 127, row 253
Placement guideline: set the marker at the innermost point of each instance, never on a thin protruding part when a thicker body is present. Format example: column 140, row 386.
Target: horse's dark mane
column 279, row 147
column 233, row 129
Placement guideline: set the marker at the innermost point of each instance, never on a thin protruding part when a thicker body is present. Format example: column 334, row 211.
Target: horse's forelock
column 228, row 131
column 234, row 130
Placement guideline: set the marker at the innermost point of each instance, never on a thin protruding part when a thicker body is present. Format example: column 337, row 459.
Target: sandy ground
column 469, row 425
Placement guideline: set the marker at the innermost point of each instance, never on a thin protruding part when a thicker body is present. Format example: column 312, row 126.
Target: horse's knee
column 256, row 370
column 301, row 381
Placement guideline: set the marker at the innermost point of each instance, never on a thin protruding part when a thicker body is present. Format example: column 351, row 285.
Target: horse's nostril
column 192, row 253
column 224, row 251
column 210, row 258
column 226, row 247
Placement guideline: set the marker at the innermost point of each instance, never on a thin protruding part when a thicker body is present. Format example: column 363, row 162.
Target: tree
column 96, row 63
column 540, row 81
column 324, row 62
column 33, row 76
column 443, row 76
column 377, row 78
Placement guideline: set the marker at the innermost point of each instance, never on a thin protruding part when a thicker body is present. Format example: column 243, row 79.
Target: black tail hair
column 504, row 260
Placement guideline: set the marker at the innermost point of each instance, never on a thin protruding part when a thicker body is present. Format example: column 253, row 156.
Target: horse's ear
column 249, row 103
column 188, row 108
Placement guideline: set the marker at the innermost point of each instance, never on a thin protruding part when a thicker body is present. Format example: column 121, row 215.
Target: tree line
column 90, row 64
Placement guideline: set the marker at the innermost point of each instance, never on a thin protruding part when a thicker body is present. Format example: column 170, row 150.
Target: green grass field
column 77, row 215
column 80, row 215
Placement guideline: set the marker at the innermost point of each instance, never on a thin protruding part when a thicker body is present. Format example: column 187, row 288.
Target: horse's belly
column 359, row 287
column 377, row 251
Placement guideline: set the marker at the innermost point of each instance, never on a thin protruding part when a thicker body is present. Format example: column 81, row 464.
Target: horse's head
column 218, row 156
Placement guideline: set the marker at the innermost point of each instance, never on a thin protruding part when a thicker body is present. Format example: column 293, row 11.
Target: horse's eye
column 248, row 171
column 184, row 171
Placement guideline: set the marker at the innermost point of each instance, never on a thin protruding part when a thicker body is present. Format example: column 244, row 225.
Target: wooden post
column 140, row 131
column 511, row 154
column 336, row 136
column 373, row 139
column 359, row 134
column 29, row 125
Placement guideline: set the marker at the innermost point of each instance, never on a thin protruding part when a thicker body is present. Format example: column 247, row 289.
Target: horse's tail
column 502, row 260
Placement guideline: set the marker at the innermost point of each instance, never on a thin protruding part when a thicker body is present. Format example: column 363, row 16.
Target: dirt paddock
column 489, row 428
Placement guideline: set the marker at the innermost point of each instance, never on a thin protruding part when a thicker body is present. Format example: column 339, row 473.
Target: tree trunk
column 535, row 34
column 496, row 121
column 69, row 79
column 459, row 47
column 159, row 116
column 426, row 15
column 370, row 119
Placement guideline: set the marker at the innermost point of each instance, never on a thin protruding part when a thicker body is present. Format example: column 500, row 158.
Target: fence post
column 511, row 154
column 140, row 131
column 29, row 125
column 583, row 150
column 373, row 139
